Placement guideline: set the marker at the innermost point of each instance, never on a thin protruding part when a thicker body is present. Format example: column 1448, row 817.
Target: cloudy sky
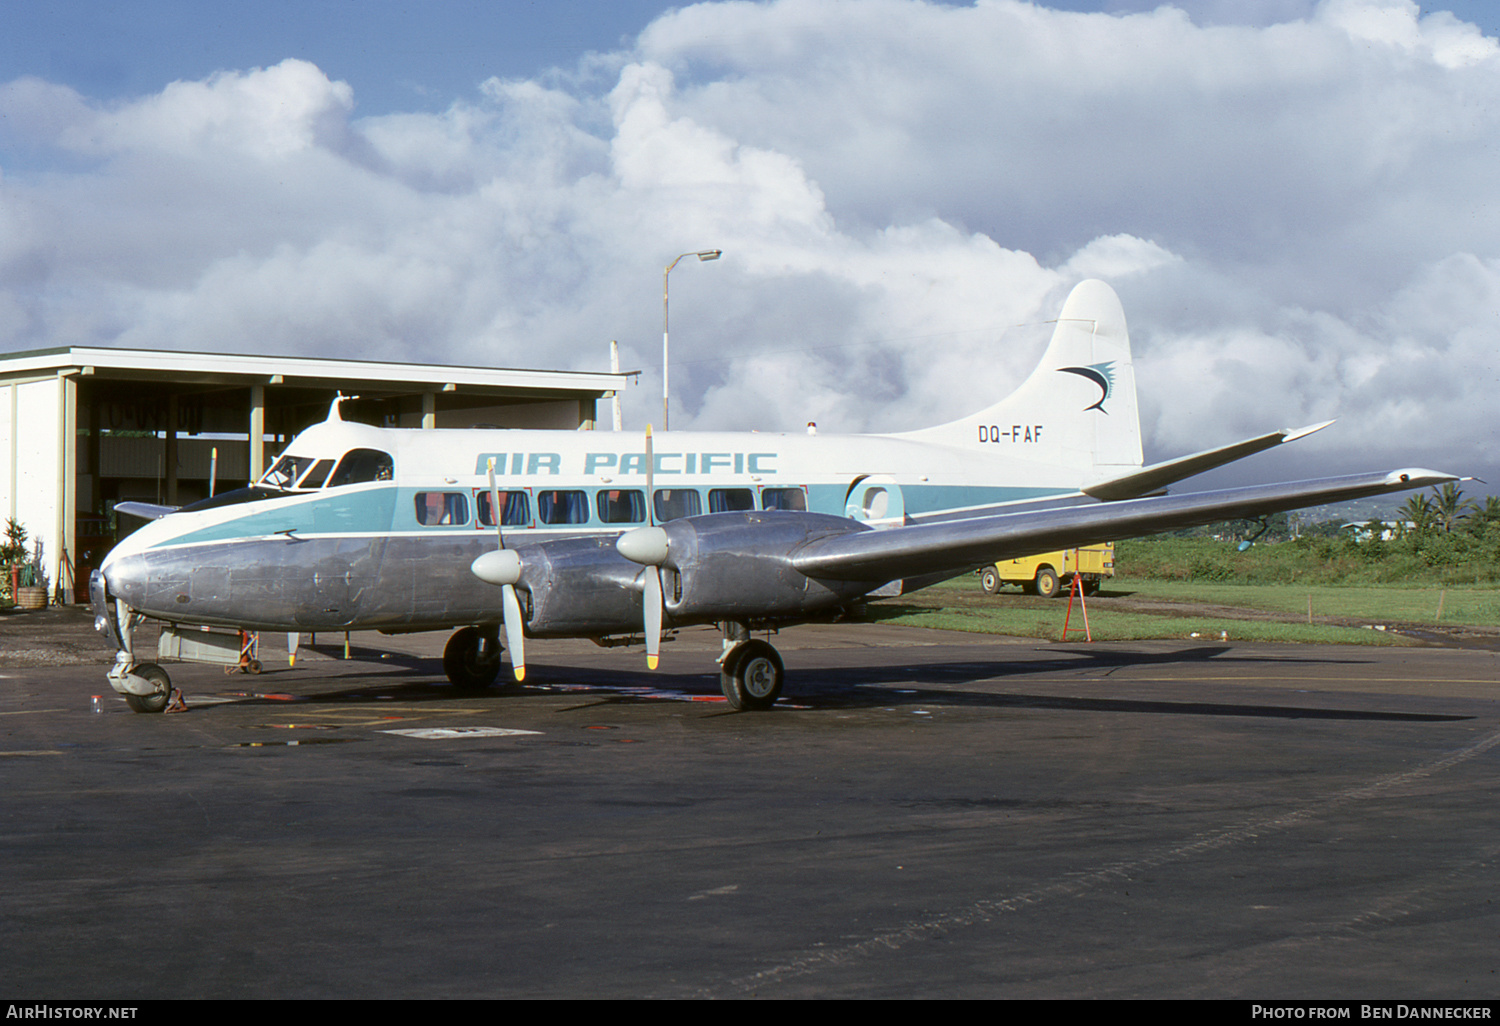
column 1295, row 200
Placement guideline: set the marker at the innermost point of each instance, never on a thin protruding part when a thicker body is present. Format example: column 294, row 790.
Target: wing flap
column 959, row 545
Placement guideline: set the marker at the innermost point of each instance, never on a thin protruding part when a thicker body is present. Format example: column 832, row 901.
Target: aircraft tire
column 1047, row 583
column 153, row 703
column 752, row 676
column 466, row 667
column 989, row 580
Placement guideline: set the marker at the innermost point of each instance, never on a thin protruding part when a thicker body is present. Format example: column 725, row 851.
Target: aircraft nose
column 125, row 577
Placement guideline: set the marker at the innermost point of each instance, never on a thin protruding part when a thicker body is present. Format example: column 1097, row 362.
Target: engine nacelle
column 580, row 587
column 737, row 566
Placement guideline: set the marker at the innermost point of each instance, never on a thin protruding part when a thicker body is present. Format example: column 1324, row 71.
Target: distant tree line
column 1436, row 537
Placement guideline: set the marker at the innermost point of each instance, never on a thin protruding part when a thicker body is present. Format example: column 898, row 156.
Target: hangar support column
column 64, row 545
column 169, row 464
column 257, row 432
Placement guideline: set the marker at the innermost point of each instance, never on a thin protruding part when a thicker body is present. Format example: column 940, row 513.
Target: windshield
column 286, row 471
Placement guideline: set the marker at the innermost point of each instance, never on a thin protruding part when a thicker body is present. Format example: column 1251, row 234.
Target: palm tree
column 1420, row 512
column 1452, row 506
column 1486, row 515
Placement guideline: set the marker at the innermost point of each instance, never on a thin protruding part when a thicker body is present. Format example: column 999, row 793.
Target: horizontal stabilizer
column 144, row 510
column 1152, row 479
column 954, row 546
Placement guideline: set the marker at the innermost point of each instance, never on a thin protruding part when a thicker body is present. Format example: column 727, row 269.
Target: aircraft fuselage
column 394, row 554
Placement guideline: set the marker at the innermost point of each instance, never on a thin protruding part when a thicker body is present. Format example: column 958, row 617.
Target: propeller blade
column 515, row 639
column 503, row 567
column 650, row 472
column 495, row 505
column 654, row 541
column 652, row 603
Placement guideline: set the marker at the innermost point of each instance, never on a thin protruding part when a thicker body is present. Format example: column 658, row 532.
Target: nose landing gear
column 146, row 686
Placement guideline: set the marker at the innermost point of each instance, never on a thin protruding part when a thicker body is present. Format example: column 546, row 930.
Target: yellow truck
column 1049, row 573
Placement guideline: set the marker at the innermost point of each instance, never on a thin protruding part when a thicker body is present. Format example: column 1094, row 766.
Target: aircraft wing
column 1152, row 479
column 956, row 546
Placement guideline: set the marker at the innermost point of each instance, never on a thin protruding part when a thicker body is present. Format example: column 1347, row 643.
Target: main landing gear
column 471, row 659
column 750, row 671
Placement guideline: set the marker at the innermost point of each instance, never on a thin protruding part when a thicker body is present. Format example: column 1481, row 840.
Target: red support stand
column 1077, row 589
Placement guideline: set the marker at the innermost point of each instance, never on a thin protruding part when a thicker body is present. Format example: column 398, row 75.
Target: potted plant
column 12, row 558
column 32, row 594
column 25, row 577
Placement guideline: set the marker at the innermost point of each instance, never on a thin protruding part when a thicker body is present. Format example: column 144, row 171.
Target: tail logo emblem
column 1101, row 374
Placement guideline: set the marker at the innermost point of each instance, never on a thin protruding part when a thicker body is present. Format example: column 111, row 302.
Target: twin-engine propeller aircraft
column 618, row 536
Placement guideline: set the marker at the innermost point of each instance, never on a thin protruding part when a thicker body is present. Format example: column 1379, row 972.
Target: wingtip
column 1292, row 434
column 1418, row 477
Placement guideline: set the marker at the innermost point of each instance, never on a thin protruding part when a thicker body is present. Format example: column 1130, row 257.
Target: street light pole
column 702, row 255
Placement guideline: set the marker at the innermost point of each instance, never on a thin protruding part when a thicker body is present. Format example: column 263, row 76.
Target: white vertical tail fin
column 1077, row 410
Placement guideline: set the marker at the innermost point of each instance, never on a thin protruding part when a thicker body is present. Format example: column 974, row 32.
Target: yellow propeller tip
column 520, row 672
column 651, row 662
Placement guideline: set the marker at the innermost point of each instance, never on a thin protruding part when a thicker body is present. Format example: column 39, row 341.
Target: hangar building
column 83, row 428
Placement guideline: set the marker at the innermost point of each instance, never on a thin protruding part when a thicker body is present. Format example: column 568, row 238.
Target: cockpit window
column 315, row 477
column 286, row 471
column 359, row 465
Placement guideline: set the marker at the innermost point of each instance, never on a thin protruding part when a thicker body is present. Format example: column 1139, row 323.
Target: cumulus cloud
column 1297, row 213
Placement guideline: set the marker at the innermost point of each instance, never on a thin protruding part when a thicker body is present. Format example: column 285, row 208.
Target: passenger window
column 360, row 465
column 317, row 475
column 730, row 500
column 562, row 507
column 441, row 508
column 783, row 498
column 515, row 509
column 672, row 503
column 622, row 506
